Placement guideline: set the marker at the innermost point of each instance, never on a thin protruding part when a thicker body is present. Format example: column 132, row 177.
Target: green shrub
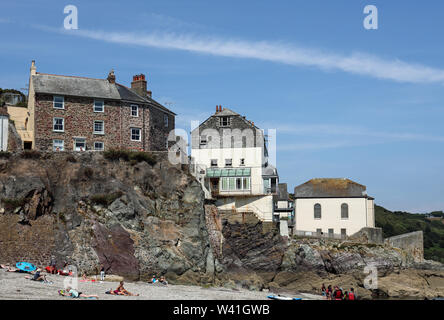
column 105, row 199
column 140, row 156
column 116, row 154
column 71, row 158
column 133, row 156
column 31, row 154
column 4, row 154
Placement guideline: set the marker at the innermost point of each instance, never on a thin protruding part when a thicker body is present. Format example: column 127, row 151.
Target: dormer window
column 225, row 121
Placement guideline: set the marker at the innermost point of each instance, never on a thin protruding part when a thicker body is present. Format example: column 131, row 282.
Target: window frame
column 213, row 163
column 345, row 205
column 317, row 205
column 54, row 102
column 137, row 110
column 54, row 123
column 103, row 106
column 229, row 163
column 165, row 120
column 103, row 127
column 140, row 134
column 54, row 145
column 221, row 122
column 103, row 146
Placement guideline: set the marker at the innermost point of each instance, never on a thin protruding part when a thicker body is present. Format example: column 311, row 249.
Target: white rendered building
column 333, row 206
column 231, row 161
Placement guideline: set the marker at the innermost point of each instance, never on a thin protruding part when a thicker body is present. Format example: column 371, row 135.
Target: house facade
column 230, row 157
column 333, row 206
column 78, row 113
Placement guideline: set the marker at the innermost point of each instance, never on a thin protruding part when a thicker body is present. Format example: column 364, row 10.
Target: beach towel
column 25, row 266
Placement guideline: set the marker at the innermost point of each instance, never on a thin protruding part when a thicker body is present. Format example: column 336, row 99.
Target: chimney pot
column 111, row 77
column 139, row 85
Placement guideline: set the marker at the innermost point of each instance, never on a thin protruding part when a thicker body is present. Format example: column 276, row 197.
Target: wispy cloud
column 279, row 52
column 327, row 136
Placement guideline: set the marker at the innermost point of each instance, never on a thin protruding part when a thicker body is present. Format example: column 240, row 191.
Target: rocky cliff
column 132, row 217
column 138, row 218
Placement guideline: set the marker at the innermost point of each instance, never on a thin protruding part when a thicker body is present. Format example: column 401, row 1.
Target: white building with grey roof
column 333, row 206
column 230, row 157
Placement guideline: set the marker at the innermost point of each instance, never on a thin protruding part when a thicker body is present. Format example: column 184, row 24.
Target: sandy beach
column 14, row 286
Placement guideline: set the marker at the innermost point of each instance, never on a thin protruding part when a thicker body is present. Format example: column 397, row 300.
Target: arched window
column 317, row 211
column 344, row 211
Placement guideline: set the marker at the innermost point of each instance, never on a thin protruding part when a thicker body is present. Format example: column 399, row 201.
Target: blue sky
column 346, row 101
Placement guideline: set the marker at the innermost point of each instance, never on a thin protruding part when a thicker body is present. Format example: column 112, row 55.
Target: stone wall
column 412, row 243
column 158, row 132
column 14, row 140
column 79, row 117
column 368, row 235
column 21, row 242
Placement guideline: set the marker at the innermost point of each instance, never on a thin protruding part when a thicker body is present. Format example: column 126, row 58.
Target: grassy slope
column 394, row 223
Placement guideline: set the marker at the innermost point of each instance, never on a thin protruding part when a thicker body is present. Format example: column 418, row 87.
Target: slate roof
column 330, row 188
column 88, row 87
column 269, row 170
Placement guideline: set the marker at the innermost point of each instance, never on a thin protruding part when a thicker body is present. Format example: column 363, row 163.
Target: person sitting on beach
column 163, row 281
column 324, row 290
column 37, row 276
column 122, row 291
column 329, row 292
column 52, row 268
column 70, row 292
column 337, row 294
column 351, row 294
column 153, row 279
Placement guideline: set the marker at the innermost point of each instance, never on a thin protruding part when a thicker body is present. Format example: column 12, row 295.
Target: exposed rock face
column 134, row 219
column 137, row 220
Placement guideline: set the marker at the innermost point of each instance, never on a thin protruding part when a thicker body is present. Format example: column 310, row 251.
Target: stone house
column 78, row 113
column 230, row 159
column 333, row 206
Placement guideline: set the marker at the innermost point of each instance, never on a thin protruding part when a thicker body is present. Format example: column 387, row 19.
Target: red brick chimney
column 139, row 85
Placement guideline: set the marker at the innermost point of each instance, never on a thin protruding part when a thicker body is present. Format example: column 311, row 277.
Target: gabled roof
column 330, row 187
column 224, row 113
column 89, row 87
column 269, row 171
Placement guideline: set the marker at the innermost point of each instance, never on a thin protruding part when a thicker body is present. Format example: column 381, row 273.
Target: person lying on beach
column 70, row 292
column 121, row 291
column 12, row 269
column 163, row 281
column 37, row 276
